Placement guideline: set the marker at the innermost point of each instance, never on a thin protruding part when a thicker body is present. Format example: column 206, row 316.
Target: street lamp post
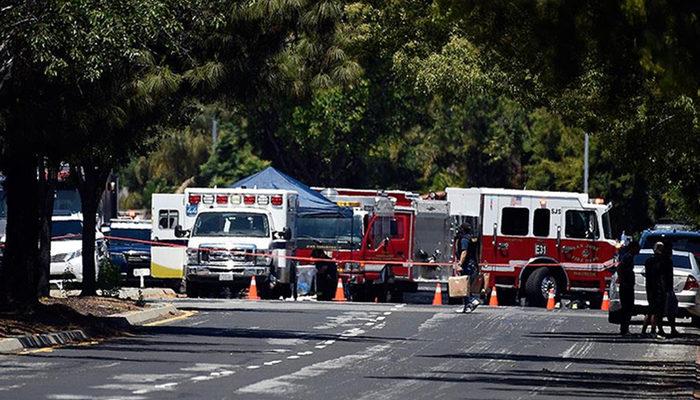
column 585, row 163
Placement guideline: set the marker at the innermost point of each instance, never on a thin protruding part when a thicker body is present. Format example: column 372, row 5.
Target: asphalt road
column 233, row 349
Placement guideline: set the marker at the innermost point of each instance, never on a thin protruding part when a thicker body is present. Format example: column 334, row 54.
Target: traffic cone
column 493, row 299
column 605, row 305
column 437, row 299
column 253, row 290
column 340, row 292
column 550, row 300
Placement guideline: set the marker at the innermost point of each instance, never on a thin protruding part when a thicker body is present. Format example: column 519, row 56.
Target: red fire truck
column 534, row 241
column 402, row 234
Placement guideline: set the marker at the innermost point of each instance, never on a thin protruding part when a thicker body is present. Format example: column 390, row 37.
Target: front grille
column 213, row 255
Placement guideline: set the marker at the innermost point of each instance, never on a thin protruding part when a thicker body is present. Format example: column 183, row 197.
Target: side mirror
column 284, row 234
column 105, row 229
column 179, row 232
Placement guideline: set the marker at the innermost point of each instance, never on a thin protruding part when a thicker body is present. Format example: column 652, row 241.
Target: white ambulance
column 232, row 235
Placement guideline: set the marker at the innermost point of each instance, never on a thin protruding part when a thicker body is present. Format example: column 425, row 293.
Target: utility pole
column 585, row 163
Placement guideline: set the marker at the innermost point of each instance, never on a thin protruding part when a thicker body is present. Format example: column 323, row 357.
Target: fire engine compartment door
column 432, row 238
column 514, row 237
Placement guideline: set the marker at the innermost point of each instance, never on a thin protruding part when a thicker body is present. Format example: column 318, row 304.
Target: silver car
column 686, row 275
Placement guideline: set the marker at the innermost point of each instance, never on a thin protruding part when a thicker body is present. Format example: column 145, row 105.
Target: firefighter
column 656, row 293
column 326, row 275
column 625, row 276
column 466, row 244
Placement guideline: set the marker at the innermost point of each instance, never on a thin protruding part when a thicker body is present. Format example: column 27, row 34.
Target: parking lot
column 315, row 350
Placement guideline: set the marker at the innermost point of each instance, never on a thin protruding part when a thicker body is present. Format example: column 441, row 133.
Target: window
column 682, row 262
column 167, row 219
column 514, row 221
column 541, row 222
column 231, row 224
column 581, row 225
column 386, row 227
column 127, row 233
column 66, row 228
column 607, row 227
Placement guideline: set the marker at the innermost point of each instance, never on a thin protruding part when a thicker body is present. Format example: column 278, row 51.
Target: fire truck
column 534, row 241
column 402, row 235
column 230, row 234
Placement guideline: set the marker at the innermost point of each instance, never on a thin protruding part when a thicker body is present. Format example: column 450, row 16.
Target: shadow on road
column 687, row 339
column 649, row 380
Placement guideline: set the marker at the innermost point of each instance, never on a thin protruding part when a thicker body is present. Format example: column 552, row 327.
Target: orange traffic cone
column 493, row 300
column 253, row 290
column 550, row 300
column 605, row 305
column 339, row 291
column 437, row 299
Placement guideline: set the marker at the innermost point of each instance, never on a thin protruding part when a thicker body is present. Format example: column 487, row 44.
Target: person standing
column 625, row 277
column 326, row 275
column 656, row 293
column 466, row 250
column 671, row 301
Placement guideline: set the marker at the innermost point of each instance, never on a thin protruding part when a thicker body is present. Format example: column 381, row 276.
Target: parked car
column 681, row 238
column 67, row 249
column 129, row 247
column 686, row 275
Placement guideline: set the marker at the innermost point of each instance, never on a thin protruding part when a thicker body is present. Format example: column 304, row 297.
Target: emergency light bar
column 276, row 200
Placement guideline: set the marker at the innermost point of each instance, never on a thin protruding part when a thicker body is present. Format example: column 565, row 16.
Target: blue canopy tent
column 311, row 203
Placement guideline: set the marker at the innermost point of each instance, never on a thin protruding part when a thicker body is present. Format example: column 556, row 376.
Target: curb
column 135, row 318
column 13, row 345
column 147, row 293
column 124, row 320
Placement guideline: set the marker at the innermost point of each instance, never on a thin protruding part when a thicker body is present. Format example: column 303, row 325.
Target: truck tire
column 537, row 285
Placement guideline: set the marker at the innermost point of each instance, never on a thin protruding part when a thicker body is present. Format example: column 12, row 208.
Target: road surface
column 232, row 349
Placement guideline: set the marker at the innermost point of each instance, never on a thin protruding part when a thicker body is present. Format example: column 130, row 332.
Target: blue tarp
column 311, row 203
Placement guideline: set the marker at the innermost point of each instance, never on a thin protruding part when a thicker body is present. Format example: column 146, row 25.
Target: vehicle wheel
column 538, row 285
column 192, row 290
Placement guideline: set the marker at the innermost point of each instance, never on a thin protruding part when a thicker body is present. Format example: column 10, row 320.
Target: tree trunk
column 91, row 181
column 47, row 190
column 19, row 276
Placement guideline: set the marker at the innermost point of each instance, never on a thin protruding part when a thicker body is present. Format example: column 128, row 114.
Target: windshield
column 678, row 261
column 607, row 227
column 139, row 234
column 66, row 228
column 341, row 232
column 233, row 224
column 66, row 201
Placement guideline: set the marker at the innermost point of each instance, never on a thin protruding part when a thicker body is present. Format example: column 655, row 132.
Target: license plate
column 226, row 276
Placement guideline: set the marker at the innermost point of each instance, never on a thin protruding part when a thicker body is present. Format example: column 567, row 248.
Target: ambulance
column 219, row 238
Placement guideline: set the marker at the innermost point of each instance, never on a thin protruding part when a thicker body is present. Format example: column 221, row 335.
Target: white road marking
column 381, row 318
column 287, row 384
column 387, row 313
column 320, row 346
column 82, row 397
column 327, row 342
column 285, row 342
column 204, row 367
column 293, row 357
column 273, row 362
column 369, row 323
column 253, row 367
column 305, row 353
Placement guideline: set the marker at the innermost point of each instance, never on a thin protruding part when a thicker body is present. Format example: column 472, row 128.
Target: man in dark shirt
column 467, row 245
column 656, row 293
column 671, row 301
column 625, row 277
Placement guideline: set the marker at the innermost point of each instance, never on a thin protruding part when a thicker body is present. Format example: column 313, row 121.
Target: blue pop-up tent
column 311, row 203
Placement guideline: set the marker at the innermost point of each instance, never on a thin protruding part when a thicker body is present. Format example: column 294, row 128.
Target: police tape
column 362, row 262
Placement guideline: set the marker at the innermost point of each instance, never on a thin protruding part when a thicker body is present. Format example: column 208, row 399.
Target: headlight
column 192, row 256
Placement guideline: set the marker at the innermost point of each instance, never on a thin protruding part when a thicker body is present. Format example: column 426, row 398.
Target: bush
column 108, row 278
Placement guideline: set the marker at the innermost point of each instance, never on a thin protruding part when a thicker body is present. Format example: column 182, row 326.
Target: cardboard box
column 458, row 286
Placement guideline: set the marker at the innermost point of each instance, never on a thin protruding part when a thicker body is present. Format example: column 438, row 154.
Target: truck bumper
column 203, row 274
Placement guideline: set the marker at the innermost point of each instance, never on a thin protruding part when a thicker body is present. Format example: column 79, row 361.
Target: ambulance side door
column 167, row 211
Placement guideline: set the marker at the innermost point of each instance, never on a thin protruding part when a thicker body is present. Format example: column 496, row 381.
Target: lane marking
column 273, row 362
column 320, row 346
column 253, row 367
column 186, row 314
column 293, row 357
column 305, row 353
column 387, row 313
